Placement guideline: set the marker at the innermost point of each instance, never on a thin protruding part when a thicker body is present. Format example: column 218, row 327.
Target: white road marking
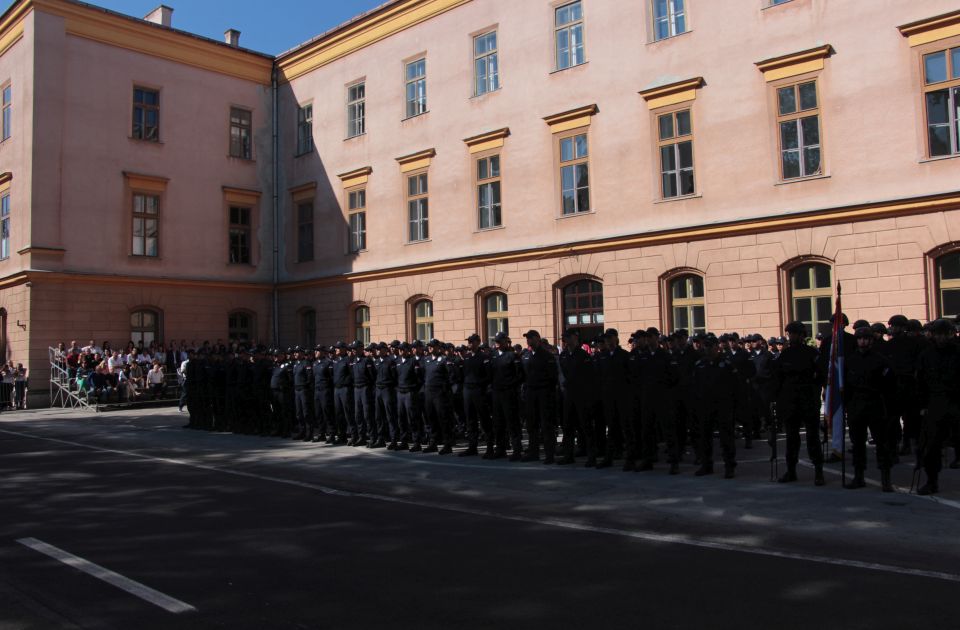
column 647, row 536
column 145, row 593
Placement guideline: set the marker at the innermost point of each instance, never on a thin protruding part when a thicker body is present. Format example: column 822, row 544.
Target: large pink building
column 436, row 167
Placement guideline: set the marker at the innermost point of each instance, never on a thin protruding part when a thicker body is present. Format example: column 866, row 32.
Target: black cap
column 434, row 342
column 341, row 345
column 531, row 333
column 709, row 340
column 501, row 336
column 417, row 344
column 941, row 327
column 372, row 347
column 899, row 320
column 861, row 323
column 405, row 346
column 611, row 332
column 473, row 337
column 772, row 341
column 395, row 343
column 796, row 328
column 863, row 332
column 571, row 332
column 878, row 328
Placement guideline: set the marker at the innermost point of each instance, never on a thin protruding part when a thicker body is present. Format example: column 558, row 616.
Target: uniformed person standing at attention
column 540, row 378
column 302, row 381
column 867, row 378
column 436, row 385
column 323, row 397
column 715, row 386
column 387, row 394
column 343, row 395
column 505, row 383
column 476, row 413
column 797, row 382
column 579, row 387
column 617, row 401
column 938, row 375
column 409, row 413
column 364, row 413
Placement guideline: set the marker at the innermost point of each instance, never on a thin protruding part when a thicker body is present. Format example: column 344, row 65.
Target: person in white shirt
column 156, row 379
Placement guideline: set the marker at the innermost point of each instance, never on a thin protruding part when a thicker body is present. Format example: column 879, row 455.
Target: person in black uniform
column 505, row 383
column 454, row 361
column 762, row 359
column 278, row 375
column 743, row 367
column 902, row 350
column 246, row 394
column 540, row 377
column 343, row 395
column 715, row 386
column 436, row 385
column 302, row 388
column 617, row 398
column 364, row 412
column 476, row 412
column 386, row 384
column 579, row 387
column 797, row 383
column 409, row 414
column 867, row 377
column 938, row 375
column 231, row 392
column 657, row 378
column 323, row 397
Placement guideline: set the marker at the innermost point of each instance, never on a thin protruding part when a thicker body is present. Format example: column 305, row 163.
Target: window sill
column 414, row 116
column 364, row 251
column 359, row 135
column 143, row 141
column 774, row 6
column 939, row 158
column 139, row 257
column 426, row 240
column 477, row 97
column 241, row 265
column 241, row 159
column 579, row 65
column 798, row 180
column 489, row 229
column 563, row 217
column 304, row 154
column 679, row 198
column 669, row 37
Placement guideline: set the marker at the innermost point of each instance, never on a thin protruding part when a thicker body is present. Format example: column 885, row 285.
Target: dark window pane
column 808, row 96
column 581, row 144
column 669, row 185
column 583, row 200
column 811, row 130
column 791, row 164
column 666, row 126
column 668, row 158
column 696, row 287
column 686, row 154
column 803, row 309
column 788, row 135
column 686, row 183
column 811, row 161
column 495, row 166
column 679, row 288
column 955, row 63
column 821, row 274
column 699, row 317
column 683, row 123
column 950, row 267
column 950, row 306
column 939, row 140
column 938, row 108
column 801, row 278
column 823, row 308
column 787, row 99
column 935, row 67
column 680, row 318
column 566, row 149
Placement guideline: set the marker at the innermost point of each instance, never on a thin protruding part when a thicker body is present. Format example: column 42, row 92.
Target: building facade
column 439, row 167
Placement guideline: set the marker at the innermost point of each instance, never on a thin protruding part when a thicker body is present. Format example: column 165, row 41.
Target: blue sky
column 270, row 26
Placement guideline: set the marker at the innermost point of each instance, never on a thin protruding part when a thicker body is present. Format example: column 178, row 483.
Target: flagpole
column 841, row 352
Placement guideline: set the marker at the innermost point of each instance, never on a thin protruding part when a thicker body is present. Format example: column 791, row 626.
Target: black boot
column 489, row 453
column 931, row 487
column 471, row 450
column 790, row 475
column 818, row 479
column 705, row 469
column 885, row 482
column 856, row 482
column 729, row 471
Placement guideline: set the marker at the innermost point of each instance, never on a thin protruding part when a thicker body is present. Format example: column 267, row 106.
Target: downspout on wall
column 276, row 212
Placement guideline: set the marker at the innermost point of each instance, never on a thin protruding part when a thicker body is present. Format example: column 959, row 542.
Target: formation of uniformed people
column 655, row 399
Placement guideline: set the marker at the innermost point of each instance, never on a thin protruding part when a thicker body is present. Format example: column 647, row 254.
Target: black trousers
column 303, row 410
column 476, row 413
column 323, row 417
column 541, row 422
column 939, row 422
column 869, row 412
column 657, row 416
column 618, row 415
column 711, row 418
column 578, row 418
column 364, row 411
column 276, row 410
column 343, row 410
column 387, row 414
column 409, row 417
column 439, row 424
column 797, row 414
column 506, row 419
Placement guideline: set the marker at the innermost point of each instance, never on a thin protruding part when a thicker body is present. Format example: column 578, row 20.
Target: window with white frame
column 568, row 35
column 417, row 208
column 304, row 129
column 798, row 119
column 416, row 78
column 486, row 65
column 488, row 192
column 574, row 173
column 941, row 76
column 357, row 211
column 669, row 18
column 676, row 153
column 356, row 110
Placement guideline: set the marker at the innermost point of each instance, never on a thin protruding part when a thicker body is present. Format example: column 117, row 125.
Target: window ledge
column 579, row 65
column 143, row 141
column 360, row 251
column 798, row 180
column 426, row 240
column 359, row 135
column 241, row 159
column 575, row 214
column 669, row 37
column 939, row 158
column 414, row 116
column 770, row 5
column 679, row 198
column 303, row 154
column 477, row 97
column 146, row 258
column 489, row 229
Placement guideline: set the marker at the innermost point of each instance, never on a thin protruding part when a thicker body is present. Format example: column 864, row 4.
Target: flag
column 834, row 398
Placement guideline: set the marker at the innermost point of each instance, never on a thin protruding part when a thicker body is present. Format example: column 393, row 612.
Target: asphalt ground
column 253, row 532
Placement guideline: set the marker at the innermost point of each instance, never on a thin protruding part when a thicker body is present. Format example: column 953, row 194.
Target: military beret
column 417, row 343
column 372, row 347
column 405, row 346
column 434, row 342
column 796, row 328
column 531, row 333
column 941, row 327
column 734, row 336
column 914, row 325
column 709, row 340
column 899, row 320
column 653, row 331
column 772, row 341
column 861, row 323
column 395, row 343
column 863, row 332
column 878, row 328
column 473, row 337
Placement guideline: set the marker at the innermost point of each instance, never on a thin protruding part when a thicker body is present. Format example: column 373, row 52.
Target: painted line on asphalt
column 647, row 536
column 170, row 604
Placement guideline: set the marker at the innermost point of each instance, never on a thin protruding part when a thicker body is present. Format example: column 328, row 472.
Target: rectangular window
column 239, row 235
column 574, row 174
column 417, row 207
column 4, row 226
column 941, row 76
column 798, row 120
column 146, row 114
column 357, row 210
column 568, row 35
column 240, row 133
column 7, row 111
column 676, row 154
column 356, row 110
column 669, row 18
column 488, row 191
column 146, row 224
column 416, row 73
column 304, row 129
column 486, row 67
column 305, row 231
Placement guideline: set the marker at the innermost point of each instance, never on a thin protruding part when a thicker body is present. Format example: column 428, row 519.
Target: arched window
column 948, row 284
column 423, row 320
column 687, row 306
column 811, row 296
column 496, row 315
column 583, row 307
column 361, row 320
column 144, row 326
column 239, row 327
column 308, row 324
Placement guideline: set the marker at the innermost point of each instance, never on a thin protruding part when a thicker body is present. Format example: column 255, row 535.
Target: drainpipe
column 276, row 212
